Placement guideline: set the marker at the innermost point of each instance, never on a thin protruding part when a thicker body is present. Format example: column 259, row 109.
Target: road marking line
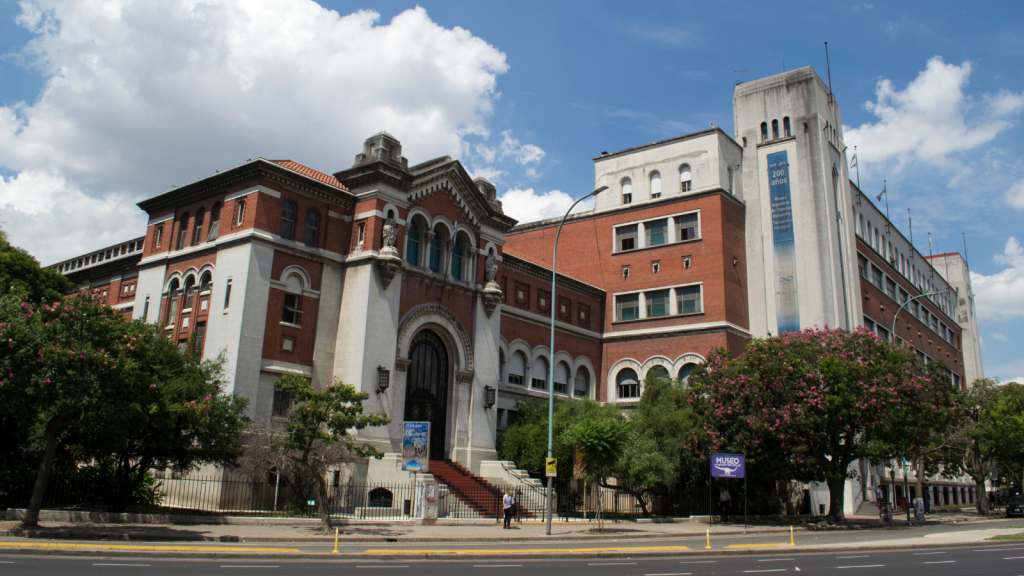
column 845, row 557
column 519, row 551
column 157, row 548
column 927, row 553
column 700, row 562
column 1014, row 558
column 671, row 574
column 610, row 563
column 773, row 570
column 387, row 566
column 247, row 566
column 95, row 564
column 497, row 565
column 774, row 559
column 997, row 549
column 755, row 545
column 942, row 562
column 865, row 566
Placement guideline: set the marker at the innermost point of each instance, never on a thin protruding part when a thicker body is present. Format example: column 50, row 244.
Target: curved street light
column 551, row 359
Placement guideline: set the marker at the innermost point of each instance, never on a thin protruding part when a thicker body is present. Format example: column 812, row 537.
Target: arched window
column 287, row 220
column 205, row 282
column 197, row 233
column 458, row 254
column 627, row 383
column 214, row 223
column 785, row 127
column 539, row 374
column 412, row 243
column 239, row 212
column 582, row 383
column 627, row 191
column 379, row 498
column 172, row 304
column 190, row 289
column 685, row 371
column 655, row 185
column 436, row 247
column 517, row 369
column 764, row 132
column 312, row 226
column 658, row 373
column 775, row 129
column 182, row 231
column 685, row 178
column 561, row 378
column 292, row 313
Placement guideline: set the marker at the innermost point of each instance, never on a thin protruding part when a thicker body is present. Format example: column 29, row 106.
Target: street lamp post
column 551, row 359
column 904, row 305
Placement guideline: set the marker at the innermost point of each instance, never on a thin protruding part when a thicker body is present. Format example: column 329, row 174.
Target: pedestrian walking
column 508, row 503
column 724, row 500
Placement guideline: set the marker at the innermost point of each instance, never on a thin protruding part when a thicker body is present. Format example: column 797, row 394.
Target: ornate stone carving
column 402, row 364
column 438, row 311
column 492, row 297
column 490, row 268
column 390, row 233
column 464, row 377
column 388, row 268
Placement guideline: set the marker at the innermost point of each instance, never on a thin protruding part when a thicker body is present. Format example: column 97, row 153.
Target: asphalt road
column 981, row 560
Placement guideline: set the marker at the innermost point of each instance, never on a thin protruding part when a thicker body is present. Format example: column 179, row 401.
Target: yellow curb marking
column 752, row 545
column 162, row 548
column 525, row 550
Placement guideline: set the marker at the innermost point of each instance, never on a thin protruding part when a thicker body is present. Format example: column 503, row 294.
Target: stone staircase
column 475, row 496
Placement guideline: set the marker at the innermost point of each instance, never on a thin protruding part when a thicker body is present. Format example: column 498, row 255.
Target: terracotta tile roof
column 307, row 171
column 544, row 265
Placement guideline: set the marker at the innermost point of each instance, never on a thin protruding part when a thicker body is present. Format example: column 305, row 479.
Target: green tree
column 805, row 405
column 600, row 442
column 21, row 273
column 315, row 436
column 61, row 362
column 1008, row 424
column 526, row 440
column 173, row 413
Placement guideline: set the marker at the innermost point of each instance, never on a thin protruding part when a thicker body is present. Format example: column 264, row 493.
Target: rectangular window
column 292, row 308
column 361, row 235
column 145, row 309
column 657, row 232
column 882, row 332
column 687, row 227
column 890, row 288
column 876, row 278
column 239, row 212
column 627, row 307
column 227, row 295
column 935, row 324
column 629, row 389
column 862, row 265
column 658, row 303
column 869, row 324
column 903, row 296
column 539, row 384
column 627, row 198
column 282, row 402
column 159, row 235
column 688, row 299
column 913, row 309
column 625, row 237
column 561, row 388
column 516, row 379
column 200, row 337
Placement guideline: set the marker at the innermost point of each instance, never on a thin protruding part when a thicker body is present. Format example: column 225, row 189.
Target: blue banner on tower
column 785, row 246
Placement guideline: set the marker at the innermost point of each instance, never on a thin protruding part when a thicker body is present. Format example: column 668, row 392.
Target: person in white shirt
column 507, row 503
column 724, row 500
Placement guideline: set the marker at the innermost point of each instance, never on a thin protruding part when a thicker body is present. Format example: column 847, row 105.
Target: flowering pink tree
column 806, row 405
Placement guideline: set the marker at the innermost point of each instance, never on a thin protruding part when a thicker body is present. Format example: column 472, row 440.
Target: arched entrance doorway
column 426, row 392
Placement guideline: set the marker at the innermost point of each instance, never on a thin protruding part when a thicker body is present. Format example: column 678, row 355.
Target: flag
column 880, row 194
column 853, row 161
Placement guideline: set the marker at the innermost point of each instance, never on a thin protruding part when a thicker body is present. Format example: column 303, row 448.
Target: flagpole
column 856, row 164
column 885, row 190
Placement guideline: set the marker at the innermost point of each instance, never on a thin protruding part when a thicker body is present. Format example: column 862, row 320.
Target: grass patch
column 1009, row 537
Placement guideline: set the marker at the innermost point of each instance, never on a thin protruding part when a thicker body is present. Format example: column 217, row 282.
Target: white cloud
column 510, row 147
column 491, row 174
column 1015, row 195
column 140, row 96
column 529, row 206
column 1000, row 296
column 1000, row 336
column 44, row 207
column 1018, row 380
column 927, row 121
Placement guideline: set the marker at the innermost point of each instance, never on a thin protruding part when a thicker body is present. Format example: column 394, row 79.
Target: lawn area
column 1010, row 536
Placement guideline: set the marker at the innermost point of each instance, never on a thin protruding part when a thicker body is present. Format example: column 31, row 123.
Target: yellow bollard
column 335, row 541
column 708, row 530
column 791, row 536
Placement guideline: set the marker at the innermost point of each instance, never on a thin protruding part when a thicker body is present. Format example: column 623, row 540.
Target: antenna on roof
column 829, row 70
column 965, row 251
column 741, row 71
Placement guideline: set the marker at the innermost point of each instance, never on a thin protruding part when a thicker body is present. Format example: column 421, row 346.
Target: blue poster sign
column 728, row 466
column 784, row 241
column 416, row 446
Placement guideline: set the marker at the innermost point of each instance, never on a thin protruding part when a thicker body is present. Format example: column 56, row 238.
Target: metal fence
column 230, row 495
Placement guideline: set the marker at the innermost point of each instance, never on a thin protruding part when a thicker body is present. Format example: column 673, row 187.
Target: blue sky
column 105, row 103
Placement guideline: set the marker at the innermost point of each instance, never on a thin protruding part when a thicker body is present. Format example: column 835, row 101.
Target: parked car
column 1015, row 507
